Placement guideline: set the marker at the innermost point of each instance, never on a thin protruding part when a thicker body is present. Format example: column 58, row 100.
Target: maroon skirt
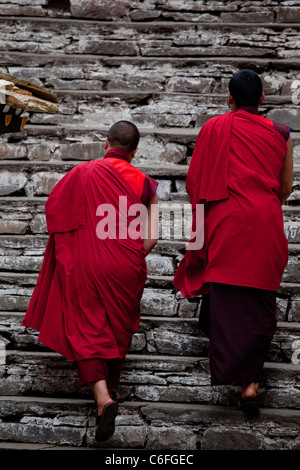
column 93, row 370
column 240, row 323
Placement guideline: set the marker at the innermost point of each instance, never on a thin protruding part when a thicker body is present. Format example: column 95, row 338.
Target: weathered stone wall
column 165, row 64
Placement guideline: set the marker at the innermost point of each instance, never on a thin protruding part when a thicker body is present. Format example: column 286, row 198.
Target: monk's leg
column 95, row 373
column 242, row 324
column 101, row 394
column 114, row 371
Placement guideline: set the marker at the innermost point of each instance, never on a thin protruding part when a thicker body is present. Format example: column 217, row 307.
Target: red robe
column 234, row 172
column 86, row 303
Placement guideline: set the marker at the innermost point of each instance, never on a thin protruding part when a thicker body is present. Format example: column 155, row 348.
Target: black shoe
column 248, row 404
column 106, row 421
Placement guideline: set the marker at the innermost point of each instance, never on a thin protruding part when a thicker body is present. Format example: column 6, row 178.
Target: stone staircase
column 164, row 65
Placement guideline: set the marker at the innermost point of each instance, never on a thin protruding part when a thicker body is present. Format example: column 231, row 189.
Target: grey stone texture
column 166, row 65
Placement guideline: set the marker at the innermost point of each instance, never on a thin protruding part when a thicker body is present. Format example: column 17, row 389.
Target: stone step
column 82, row 108
column 35, row 423
column 163, row 39
column 159, row 295
column 140, row 74
column 70, row 147
column 86, row 108
column 78, row 132
column 157, row 264
column 136, row 74
column 38, row 178
column 73, row 63
column 145, row 377
column 158, row 334
column 161, row 262
column 25, row 254
column 149, row 78
column 26, row 215
column 49, row 143
column 213, row 12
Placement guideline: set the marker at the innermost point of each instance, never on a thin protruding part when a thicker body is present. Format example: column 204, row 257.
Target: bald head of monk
column 245, row 89
column 123, row 135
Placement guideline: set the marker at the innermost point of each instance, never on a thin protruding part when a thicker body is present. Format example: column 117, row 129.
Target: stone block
column 294, row 313
column 180, row 187
column 43, row 432
column 171, row 437
column 264, row 16
column 152, row 150
column 135, row 83
column 38, row 224
column 221, row 438
column 190, row 85
column 288, row 14
column 131, row 437
column 272, row 83
column 100, row 9
column 158, row 302
column 292, row 231
column 10, row 302
column 43, row 151
column 12, row 151
column 13, row 226
column 145, row 15
column 160, row 265
column 138, row 342
column 44, row 181
column 292, row 271
column 282, row 308
column 93, row 45
column 164, row 190
column 187, row 309
column 81, row 151
column 20, row 263
column 290, row 117
column 11, row 182
column 12, row 9
column 162, row 341
column 174, row 393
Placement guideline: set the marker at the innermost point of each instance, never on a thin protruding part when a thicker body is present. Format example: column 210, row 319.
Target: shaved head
column 124, row 135
column 246, row 88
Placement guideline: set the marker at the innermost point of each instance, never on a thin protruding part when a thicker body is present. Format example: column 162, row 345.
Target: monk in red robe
column 86, row 303
column 242, row 172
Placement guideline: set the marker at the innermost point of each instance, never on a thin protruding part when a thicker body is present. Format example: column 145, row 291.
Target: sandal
column 248, row 404
column 106, row 421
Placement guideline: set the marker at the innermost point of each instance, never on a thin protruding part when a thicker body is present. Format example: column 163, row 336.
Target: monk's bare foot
column 249, row 391
column 247, row 400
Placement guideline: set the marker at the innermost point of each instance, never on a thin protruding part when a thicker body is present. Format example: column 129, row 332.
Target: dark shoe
column 106, row 421
column 248, row 404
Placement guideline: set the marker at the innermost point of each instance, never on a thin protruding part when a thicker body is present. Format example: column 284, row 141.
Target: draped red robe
column 235, row 172
column 86, row 303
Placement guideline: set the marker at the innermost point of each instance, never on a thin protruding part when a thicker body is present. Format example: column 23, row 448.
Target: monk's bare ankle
column 249, row 391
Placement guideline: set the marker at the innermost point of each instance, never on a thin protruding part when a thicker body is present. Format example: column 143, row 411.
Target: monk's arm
column 152, row 225
column 286, row 175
